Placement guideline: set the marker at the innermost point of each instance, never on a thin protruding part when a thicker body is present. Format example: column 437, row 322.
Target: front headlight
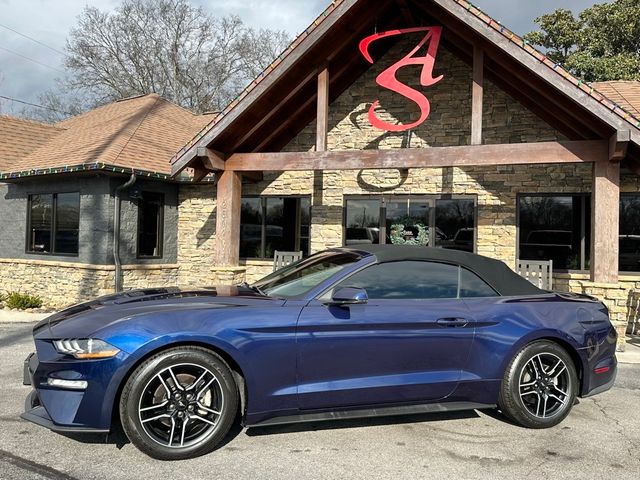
column 86, row 348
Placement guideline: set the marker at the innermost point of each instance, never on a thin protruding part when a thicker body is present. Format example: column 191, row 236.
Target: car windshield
column 303, row 276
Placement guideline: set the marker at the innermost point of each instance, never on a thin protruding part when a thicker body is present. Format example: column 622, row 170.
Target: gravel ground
column 600, row 439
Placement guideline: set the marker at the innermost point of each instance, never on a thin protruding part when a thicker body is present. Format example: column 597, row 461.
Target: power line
column 34, row 105
column 32, row 60
column 33, row 40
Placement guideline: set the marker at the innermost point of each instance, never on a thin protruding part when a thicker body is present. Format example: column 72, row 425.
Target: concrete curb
column 16, row 316
column 631, row 352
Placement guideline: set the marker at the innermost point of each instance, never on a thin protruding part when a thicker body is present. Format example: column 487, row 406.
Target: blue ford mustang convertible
column 349, row 332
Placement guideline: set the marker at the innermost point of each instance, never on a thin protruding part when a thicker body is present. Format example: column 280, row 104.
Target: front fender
column 158, row 344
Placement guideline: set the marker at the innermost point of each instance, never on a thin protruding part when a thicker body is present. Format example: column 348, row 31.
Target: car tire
column 540, row 386
column 179, row 403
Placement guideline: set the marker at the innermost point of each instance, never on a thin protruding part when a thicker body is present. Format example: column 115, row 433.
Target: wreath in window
column 416, row 233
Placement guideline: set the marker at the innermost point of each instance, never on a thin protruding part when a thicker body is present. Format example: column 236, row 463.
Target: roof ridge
column 185, row 109
column 110, row 104
column 135, row 130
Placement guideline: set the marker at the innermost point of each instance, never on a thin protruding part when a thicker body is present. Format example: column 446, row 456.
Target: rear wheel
column 540, row 386
column 179, row 404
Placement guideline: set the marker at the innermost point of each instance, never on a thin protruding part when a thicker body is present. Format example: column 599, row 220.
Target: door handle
column 452, row 322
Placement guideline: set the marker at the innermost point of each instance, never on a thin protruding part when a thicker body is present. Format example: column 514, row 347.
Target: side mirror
column 349, row 296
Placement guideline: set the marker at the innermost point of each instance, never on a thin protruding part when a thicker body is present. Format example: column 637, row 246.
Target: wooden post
column 476, row 96
column 323, row 110
column 229, row 192
column 605, row 219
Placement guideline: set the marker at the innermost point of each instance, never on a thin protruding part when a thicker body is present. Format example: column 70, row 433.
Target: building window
column 555, row 227
column 448, row 221
column 150, row 225
column 268, row 224
column 629, row 256
column 53, row 223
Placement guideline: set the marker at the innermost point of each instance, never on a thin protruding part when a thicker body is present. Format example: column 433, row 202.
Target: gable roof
column 464, row 21
column 20, row 137
column 138, row 134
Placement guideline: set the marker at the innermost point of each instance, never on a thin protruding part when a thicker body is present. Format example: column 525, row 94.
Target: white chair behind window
column 538, row 272
column 282, row 259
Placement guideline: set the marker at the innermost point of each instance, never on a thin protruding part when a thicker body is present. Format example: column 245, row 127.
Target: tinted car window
column 301, row 277
column 406, row 280
column 472, row 286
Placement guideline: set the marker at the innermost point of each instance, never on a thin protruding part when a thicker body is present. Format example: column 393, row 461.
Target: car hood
column 83, row 319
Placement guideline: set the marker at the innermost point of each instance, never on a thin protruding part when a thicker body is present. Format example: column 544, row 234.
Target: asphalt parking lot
column 601, row 439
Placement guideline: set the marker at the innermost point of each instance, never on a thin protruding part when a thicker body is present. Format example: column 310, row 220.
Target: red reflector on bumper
column 600, row 370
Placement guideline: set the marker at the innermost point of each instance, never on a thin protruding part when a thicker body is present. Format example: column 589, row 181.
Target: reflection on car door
column 408, row 343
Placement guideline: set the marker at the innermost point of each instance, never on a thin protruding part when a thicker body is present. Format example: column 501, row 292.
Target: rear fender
column 572, row 347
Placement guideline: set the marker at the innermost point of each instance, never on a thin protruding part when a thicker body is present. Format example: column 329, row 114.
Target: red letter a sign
column 387, row 79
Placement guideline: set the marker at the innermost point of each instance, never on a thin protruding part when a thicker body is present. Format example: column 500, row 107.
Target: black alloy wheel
column 540, row 386
column 179, row 403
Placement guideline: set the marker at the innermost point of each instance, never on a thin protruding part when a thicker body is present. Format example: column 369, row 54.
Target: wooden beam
column 229, row 193
column 515, row 69
column 605, row 221
column 200, row 172
column 346, row 58
column 476, row 95
column 322, row 117
column 211, row 159
column 534, row 67
column 293, row 123
column 618, row 145
column 584, row 151
column 267, row 118
column 262, row 89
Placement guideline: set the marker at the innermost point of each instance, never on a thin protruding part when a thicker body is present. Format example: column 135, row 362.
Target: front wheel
column 540, row 386
column 179, row 403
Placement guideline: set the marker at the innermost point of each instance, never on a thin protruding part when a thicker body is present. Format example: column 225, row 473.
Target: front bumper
column 34, row 412
column 65, row 410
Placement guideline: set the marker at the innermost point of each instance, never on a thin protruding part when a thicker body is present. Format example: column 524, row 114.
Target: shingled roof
column 18, row 138
column 625, row 93
column 138, row 134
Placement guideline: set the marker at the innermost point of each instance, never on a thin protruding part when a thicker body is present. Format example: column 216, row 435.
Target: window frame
column 628, row 273
column 585, row 196
column 160, row 231
column 54, row 224
column 383, row 199
column 263, row 232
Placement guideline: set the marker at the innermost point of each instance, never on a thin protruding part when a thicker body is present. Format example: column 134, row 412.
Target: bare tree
column 169, row 47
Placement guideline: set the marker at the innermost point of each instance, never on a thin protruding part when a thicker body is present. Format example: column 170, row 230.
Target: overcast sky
column 49, row 22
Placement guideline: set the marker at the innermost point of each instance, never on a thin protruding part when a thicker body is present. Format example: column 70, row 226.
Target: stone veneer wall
column 495, row 188
column 61, row 284
column 196, row 234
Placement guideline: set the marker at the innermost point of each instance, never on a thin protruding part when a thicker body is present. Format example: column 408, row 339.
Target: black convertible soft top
column 496, row 273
